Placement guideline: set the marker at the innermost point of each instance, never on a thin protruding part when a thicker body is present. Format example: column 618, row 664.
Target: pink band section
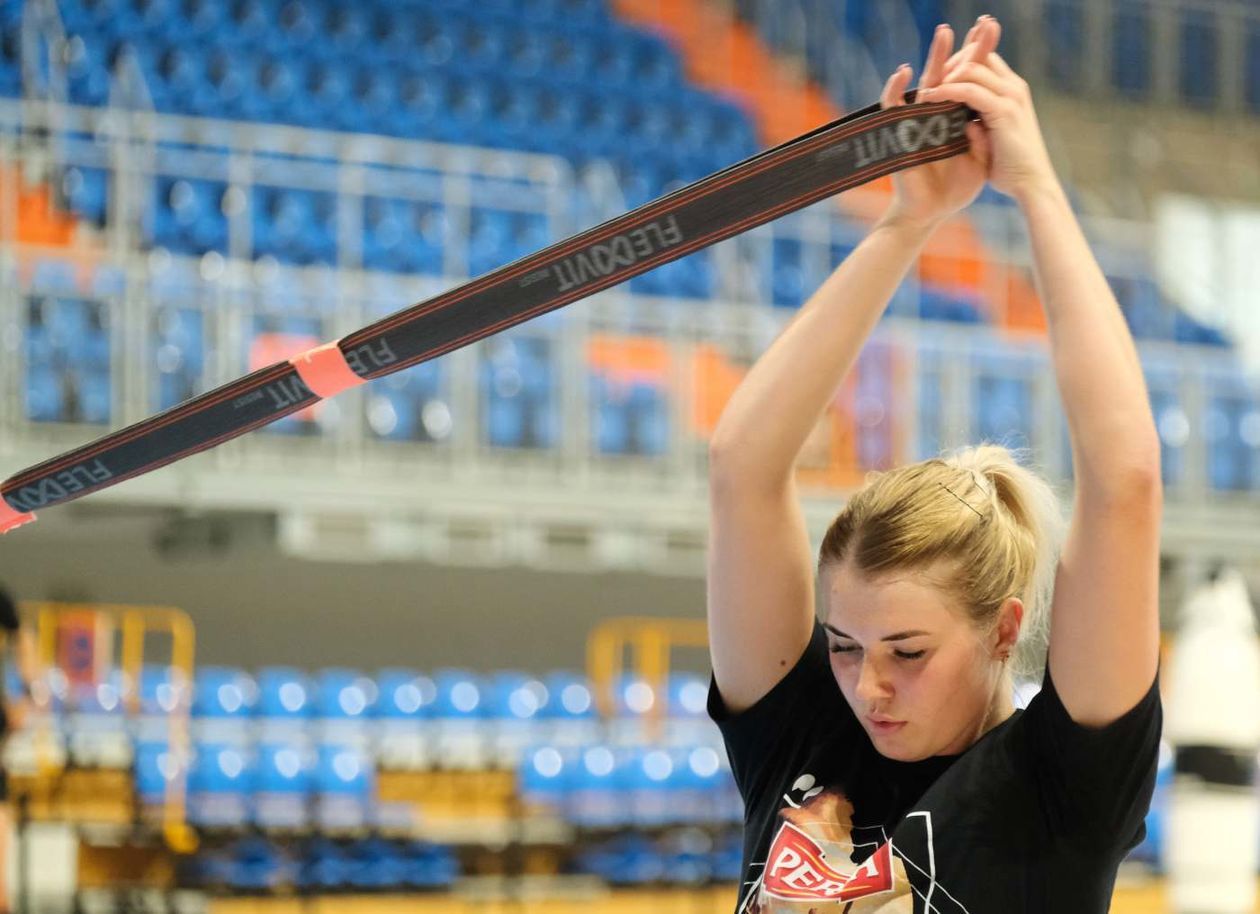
column 325, row 371
column 10, row 519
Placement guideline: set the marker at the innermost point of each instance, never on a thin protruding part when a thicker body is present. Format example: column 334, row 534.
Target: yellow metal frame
column 650, row 641
column 134, row 623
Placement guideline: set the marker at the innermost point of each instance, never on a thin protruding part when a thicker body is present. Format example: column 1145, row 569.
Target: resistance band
column 860, row 147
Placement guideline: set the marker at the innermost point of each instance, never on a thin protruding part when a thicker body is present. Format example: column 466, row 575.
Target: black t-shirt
column 1035, row 816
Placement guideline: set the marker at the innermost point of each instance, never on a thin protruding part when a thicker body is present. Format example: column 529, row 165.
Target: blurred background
column 438, row 643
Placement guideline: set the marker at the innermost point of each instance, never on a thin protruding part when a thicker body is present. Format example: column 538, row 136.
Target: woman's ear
column 1010, row 617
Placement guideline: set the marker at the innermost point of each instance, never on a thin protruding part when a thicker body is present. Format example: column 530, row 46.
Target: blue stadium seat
column 157, row 767
column 189, row 217
column 258, row 865
column 223, row 701
column 201, row 19
column 348, row 28
column 461, row 732
column 295, row 226
column 518, row 393
column 1171, row 422
column 344, row 693
column 284, row 693
column 545, row 776
column 219, row 786
column 344, row 700
column 1251, row 65
column 376, row 865
column 629, row 419
column 1064, row 35
column 325, row 866
column 597, row 797
column 402, row 711
column 1231, row 435
column 97, row 731
column 654, row 777
column 86, row 192
column 789, row 284
column 223, row 692
column 343, row 785
column 1131, row 49
column 92, row 401
column 938, row 304
column 1199, row 47
column 45, row 395
column 1188, row 330
column 162, row 693
column 282, row 787
column 180, row 352
column 429, row 866
column 404, row 236
column 688, row 695
column 1002, row 401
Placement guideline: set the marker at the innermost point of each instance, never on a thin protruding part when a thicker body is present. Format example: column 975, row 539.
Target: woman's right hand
column 1013, row 149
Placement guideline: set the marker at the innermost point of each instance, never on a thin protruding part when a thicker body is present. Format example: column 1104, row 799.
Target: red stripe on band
column 325, row 370
column 11, row 519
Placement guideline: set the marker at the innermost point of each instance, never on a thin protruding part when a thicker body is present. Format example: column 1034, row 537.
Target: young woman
column 881, row 760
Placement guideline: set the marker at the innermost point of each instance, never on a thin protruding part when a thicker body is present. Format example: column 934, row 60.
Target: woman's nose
column 870, row 684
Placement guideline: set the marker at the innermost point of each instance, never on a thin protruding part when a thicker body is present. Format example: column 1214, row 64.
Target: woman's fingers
column 989, row 104
column 982, row 76
column 981, row 41
column 895, row 88
column 934, row 68
column 1000, row 65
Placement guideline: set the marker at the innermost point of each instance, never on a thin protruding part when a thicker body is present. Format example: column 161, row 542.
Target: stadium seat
column 461, row 731
column 220, row 786
column 343, row 788
column 283, row 787
column 97, row 732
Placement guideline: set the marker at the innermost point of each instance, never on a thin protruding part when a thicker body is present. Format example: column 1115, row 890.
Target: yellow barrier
column 650, row 641
column 135, row 623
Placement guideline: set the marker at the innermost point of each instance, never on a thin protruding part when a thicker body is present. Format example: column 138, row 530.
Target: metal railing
column 915, row 392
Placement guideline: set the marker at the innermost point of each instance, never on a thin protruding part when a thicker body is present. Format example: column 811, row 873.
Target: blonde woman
column 882, row 762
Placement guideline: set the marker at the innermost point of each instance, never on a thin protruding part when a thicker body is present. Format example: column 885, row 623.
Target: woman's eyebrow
column 899, row 636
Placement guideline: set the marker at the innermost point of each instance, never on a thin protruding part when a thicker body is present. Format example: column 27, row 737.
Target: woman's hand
column 1012, row 149
column 928, row 194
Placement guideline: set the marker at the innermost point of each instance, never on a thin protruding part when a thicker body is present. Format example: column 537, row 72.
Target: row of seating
column 303, row 19
column 257, row 864
column 1199, row 32
column 289, row 693
column 679, row 857
column 520, row 405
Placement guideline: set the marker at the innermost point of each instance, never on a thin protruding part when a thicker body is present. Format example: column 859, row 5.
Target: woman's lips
column 886, row 726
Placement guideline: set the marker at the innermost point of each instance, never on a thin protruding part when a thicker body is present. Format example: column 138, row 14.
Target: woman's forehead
column 907, row 600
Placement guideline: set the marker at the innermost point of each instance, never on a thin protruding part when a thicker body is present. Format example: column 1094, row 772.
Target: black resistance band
column 860, row 147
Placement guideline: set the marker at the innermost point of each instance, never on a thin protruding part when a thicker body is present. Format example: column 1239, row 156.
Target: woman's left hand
column 930, row 193
column 1012, row 148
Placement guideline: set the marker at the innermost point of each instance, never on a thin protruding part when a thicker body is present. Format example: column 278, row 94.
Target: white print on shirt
column 805, row 785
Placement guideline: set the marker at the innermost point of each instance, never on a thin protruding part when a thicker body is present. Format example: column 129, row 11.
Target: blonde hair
column 997, row 523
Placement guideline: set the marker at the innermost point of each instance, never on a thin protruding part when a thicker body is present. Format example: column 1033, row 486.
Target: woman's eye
column 900, row 655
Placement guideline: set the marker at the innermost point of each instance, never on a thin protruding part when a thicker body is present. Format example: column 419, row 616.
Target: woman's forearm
column 767, row 421
column 1095, row 360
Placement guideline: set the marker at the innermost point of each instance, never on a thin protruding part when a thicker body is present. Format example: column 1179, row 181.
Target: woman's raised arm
column 1104, row 635
column 760, row 572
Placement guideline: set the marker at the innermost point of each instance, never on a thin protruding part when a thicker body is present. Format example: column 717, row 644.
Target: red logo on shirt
column 797, row 870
